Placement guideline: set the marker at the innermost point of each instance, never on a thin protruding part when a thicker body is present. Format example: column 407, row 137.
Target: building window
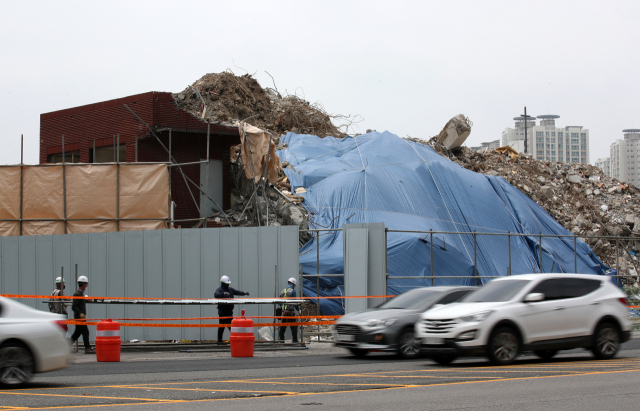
column 548, row 146
column 539, row 134
column 540, row 140
column 108, row 154
column 540, row 146
column 553, row 146
column 547, row 136
column 548, row 140
column 553, row 134
column 559, row 133
column 583, row 135
column 69, row 157
column 574, row 135
column 540, row 153
column 553, row 153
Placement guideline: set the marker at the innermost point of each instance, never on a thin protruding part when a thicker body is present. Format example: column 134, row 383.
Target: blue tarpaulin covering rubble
column 380, row 177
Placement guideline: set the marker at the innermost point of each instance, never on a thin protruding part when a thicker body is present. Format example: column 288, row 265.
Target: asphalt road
column 324, row 377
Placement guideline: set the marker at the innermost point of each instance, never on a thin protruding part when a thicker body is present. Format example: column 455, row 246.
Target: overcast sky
column 404, row 66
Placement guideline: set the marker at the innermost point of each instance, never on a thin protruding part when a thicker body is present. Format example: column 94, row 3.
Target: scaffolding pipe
column 21, row 176
column 172, row 159
column 64, row 189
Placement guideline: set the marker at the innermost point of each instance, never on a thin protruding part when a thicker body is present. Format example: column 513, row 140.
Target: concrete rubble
column 227, row 99
column 579, row 196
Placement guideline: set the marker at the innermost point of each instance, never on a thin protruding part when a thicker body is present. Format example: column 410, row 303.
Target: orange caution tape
column 212, row 318
column 71, row 297
column 80, row 322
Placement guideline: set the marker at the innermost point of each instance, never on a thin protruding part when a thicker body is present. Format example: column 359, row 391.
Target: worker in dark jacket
column 225, row 310
column 79, row 307
column 289, row 310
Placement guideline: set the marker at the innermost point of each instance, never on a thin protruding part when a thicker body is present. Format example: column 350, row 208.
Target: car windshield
column 411, row 300
column 496, row 291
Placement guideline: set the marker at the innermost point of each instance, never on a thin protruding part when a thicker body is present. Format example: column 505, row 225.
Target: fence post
column 540, row 245
column 575, row 253
column 509, row 241
column 617, row 256
column 475, row 258
column 431, row 257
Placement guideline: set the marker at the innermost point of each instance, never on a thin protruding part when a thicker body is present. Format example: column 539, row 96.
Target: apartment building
column 625, row 157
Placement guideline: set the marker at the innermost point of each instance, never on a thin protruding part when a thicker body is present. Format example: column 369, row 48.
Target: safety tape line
column 309, row 317
column 77, row 322
column 71, row 297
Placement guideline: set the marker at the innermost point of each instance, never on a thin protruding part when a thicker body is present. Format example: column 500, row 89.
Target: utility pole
column 526, row 118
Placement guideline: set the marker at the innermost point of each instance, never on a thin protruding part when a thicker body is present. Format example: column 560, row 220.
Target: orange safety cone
column 242, row 338
column 108, row 341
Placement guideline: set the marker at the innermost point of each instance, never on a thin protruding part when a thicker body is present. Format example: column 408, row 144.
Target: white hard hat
column 292, row 281
column 83, row 279
column 225, row 279
column 59, row 280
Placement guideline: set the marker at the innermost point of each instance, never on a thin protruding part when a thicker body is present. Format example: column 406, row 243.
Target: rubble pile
column 579, row 196
column 228, row 97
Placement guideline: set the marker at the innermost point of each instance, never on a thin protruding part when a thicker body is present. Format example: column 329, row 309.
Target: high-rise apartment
column 625, row 157
column 604, row 164
column 547, row 142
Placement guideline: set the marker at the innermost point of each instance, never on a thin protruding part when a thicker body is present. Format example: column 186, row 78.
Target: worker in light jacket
column 79, row 307
column 288, row 310
column 225, row 310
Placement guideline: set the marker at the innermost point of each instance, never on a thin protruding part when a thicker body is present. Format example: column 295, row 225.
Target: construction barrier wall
column 83, row 198
column 181, row 263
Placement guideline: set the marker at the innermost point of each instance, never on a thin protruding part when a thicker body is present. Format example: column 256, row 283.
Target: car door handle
column 595, row 303
column 558, row 308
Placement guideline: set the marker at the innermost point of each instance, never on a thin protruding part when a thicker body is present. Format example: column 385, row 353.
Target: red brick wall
column 101, row 121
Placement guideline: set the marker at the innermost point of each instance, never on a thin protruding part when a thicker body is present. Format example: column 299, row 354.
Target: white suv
column 542, row 313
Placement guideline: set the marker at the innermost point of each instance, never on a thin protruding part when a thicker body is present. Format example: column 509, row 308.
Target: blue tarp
column 379, row 177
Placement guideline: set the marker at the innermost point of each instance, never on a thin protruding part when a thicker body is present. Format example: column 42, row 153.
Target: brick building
column 89, row 137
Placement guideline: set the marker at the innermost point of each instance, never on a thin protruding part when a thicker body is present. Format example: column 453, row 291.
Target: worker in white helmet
column 55, row 305
column 288, row 310
column 225, row 310
column 79, row 307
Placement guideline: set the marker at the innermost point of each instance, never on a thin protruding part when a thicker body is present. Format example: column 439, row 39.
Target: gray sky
column 404, row 66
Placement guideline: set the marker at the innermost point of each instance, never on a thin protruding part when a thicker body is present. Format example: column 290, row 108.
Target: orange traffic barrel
column 242, row 337
column 108, row 341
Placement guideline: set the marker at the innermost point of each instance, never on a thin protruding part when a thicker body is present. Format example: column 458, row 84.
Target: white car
column 542, row 313
column 30, row 341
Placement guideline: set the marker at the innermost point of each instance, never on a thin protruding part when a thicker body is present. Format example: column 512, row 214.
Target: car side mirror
column 533, row 297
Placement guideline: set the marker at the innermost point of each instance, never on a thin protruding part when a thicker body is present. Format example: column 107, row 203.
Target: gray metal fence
column 185, row 263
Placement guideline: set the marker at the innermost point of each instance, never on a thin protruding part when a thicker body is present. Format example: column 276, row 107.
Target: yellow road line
column 82, row 396
column 199, row 389
column 307, row 383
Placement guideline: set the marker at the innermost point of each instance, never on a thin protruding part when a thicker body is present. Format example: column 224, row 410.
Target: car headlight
column 374, row 324
column 475, row 318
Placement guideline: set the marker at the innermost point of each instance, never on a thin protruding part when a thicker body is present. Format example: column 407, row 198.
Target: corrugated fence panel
column 211, row 273
column 27, row 266
column 97, row 272
column 10, row 266
column 45, row 272
column 134, row 277
column 115, row 276
column 172, row 258
column 154, row 264
column 153, row 280
column 191, row 274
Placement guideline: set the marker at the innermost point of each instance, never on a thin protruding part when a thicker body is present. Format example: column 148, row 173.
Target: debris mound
column 579, row 196
column 225, row 97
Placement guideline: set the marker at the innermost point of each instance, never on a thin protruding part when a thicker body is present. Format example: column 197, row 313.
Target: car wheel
column 16, row 364
column 408, row 344
column 546, row 354
column 606, row 341
column 358, row 352
column 443, row 359
column 503, row 346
